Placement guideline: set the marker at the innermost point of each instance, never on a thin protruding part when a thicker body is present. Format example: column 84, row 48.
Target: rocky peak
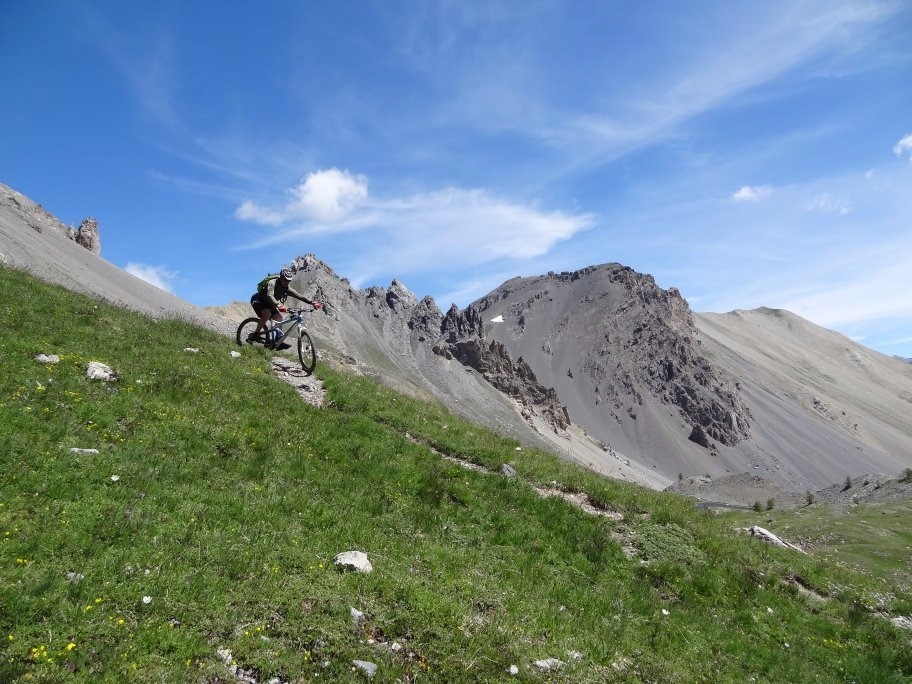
column 399, row 297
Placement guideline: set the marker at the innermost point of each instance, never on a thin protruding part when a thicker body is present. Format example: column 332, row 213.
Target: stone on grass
column 549, row 664
column 507, row 470
column 769, row 537
column 902, row 622
column 192, row 350
column 357, row 617
column 99, row 371
column 45, row 358
column 367, row 667
column 74, row 577
column 513, row 670
column 77, row 450
column 354, row 560
column 235, row 354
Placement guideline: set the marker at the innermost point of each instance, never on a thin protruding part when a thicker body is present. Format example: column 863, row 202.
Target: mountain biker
column 268, row 300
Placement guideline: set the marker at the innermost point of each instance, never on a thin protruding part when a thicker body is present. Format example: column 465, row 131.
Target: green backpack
column 263, row 285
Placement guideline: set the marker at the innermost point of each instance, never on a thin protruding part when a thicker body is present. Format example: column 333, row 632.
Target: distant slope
column 33, row 240
column 825, row 406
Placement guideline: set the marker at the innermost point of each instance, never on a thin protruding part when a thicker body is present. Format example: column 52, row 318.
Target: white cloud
column 752, row 193
column 870, row 173
column 159, row 276
column 447, row 230
column 903, row 146
column 829, row 205
column 326, row 197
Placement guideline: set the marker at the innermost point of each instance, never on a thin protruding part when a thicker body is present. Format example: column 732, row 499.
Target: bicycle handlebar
column 295, row 312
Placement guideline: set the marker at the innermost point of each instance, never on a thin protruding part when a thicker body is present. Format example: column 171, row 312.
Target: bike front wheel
column 306, row 352
column 245, row 334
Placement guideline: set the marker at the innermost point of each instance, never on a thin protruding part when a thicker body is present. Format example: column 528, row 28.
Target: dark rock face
column 515, row 379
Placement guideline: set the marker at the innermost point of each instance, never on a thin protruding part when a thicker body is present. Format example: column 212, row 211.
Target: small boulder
column 77, row 450
column 508, row 470
column 698, row 436
column 367, row 667
column 354, row 560
column 99, row 371
column 47, row 358
column 549, row 664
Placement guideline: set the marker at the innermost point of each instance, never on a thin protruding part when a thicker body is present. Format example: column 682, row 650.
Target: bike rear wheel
column 245, row 335
column 306, row 352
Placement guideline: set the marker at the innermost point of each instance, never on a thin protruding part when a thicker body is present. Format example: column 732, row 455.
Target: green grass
column 233, row 496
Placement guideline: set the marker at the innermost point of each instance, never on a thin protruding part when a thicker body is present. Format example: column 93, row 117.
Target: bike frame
column 293, row 319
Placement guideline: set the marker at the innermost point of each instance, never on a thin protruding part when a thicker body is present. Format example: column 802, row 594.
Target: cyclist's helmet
column 286, row 274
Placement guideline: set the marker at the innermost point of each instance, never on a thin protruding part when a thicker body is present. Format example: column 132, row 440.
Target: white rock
column 357, row 616
column 99, row 371
column 769, row 537
column 235, row 354
column 575, row 655
column 901, row 622
column 192, row 350
column 549, row 664
column 45, row 358
column 74, row 577
column 665, row 612
column 354, row 560
column 497, row 319
column 147, row 600
column 115, row 478
column 77, row 450
column 369, row 668
column 513, row 670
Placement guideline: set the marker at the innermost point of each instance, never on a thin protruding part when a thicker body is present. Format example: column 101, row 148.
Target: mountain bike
column 275, row 335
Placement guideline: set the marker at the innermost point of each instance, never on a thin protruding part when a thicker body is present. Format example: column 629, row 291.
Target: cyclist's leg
column 262, row 311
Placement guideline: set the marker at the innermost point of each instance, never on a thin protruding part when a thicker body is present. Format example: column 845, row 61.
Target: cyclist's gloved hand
column 317, row 305
column 283, row 308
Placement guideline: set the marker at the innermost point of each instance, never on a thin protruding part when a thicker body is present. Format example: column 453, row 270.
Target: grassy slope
column 230, row 525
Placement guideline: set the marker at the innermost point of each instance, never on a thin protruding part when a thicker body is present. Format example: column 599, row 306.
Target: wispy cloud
column 159, row 276
column 829, row 205
column 904, row 146
column 752, row 193
column 147, row 66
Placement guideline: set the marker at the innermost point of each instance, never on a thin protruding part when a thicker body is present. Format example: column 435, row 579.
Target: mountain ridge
column 599, row 365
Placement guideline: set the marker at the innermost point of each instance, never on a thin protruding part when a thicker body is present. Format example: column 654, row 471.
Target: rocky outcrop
column 87, row 235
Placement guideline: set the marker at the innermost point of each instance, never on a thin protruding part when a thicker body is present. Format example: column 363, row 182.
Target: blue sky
column 750, row 154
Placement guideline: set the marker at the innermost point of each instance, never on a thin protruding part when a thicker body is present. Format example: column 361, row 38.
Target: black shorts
column 259, row 306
